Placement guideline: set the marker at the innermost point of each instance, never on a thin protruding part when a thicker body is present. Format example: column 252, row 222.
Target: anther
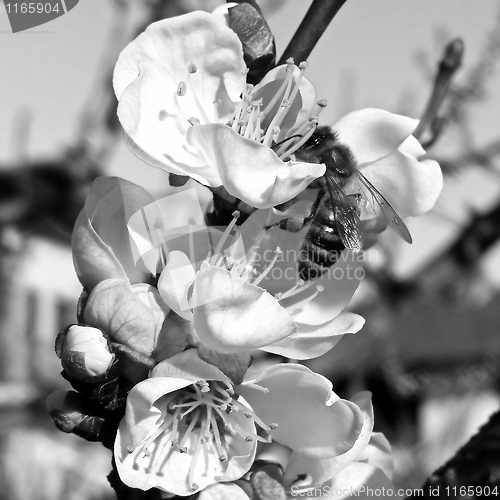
column 203, row 385
column 192, row 68
column 249, row 439
column 303, row 65
column 273, row 426
column 194, row 486
column 222, row 458
column 194, row 121
column 248, row 415
column 322, row 103
column 181, row 89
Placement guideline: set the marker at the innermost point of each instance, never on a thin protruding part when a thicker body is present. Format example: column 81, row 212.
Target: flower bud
column 101, row 244
column 83, row 352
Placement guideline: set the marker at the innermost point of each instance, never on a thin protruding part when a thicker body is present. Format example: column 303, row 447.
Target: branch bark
column 314, row 24
column 476, row 465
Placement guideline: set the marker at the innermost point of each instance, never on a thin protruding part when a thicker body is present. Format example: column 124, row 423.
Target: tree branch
column 314, row 24
column 475, row 465
column 448, row 65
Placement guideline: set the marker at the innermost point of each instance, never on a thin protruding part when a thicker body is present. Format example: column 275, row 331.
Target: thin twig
column 314, row 24
column 448, row 65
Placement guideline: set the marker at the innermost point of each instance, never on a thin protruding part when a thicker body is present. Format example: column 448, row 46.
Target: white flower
column 236, row 301
column 188, row 426
column 185, row 107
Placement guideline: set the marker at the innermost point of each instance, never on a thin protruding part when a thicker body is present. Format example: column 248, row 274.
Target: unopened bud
column 84, row 352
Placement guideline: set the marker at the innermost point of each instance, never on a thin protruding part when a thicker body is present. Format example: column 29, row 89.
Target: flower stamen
column 281, row 91
column 223, row 239
column 267, row 270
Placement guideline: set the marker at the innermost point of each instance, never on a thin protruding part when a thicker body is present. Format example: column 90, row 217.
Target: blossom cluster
column 174, row 311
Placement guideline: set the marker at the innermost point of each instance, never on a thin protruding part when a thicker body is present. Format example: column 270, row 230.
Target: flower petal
column 141, row 415
column 102, row 246
column 312, row 341
column 300, row 402
column 146, row 80
column 379, row 454
column 170, row 474
column 94, row 261
column 373, row 133
column 188, row 365
column 175, row 335
column 175, row 282
column 300, row 109
column 241, row 452
column 410, row 186
column 131, row 314
column 339, row 284
column 223, row 491
column 319, row 470
column 359, row 481
column 249, row 170
column 231, row 315
column 174, row 43
column 154, row 132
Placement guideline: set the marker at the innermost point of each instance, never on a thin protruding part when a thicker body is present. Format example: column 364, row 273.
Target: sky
column 368, row 57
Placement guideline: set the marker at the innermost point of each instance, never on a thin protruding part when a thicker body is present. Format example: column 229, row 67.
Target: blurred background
column 431, row 346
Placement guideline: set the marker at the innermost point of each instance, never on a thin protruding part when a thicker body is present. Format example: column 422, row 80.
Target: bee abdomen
column 319, row 252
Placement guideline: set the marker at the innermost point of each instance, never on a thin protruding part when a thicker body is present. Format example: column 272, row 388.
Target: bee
column 334, row 217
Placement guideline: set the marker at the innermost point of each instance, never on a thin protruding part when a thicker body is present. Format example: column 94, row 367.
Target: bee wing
column 346, row 218
column 348, row 226
column 392, row 218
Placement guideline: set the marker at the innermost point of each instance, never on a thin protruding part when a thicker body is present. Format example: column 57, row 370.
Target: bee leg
column 291, row 224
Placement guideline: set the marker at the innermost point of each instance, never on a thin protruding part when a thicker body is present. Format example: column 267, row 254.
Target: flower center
column 249, row 115
column 200, row 419
column 298, row 295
